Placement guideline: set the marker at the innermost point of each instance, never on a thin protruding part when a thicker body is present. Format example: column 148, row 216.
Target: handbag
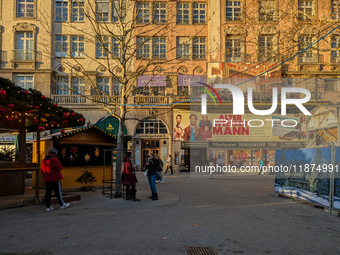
column 145, row 173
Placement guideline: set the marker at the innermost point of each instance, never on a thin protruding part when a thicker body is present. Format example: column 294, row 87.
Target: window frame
column 25, row 82
column 16, row 9
column 263, row 50
column 145, row 12
column 225, row 12
column 144, row 41
column 79, row 91
column 103, row 47
column 262, row 16
column 159, row 45
column 114, row 16
column 57, row 86
column 304, row 8
column 100, row 15
column 239, row 56
column 335, row 16
column 202, row 22
column 186, row 45
column 57, row 45
column 158, row 10
column 199, row 44
column 78, row 5
column 62, row 12
column 180, row 11
column 78, row 42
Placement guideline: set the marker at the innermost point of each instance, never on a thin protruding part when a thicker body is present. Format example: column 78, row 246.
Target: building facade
column 51, row 46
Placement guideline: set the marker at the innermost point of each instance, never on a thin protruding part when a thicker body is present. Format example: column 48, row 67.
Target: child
column 207, row 134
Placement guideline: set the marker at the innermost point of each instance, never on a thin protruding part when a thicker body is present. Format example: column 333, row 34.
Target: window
column 266, row 48
column 335, row 54
column 61, row 10
column 25, row 8
column 182, row 16
column 159, row 13
column 78, row 10
column 116, row 47
column 159, row 47
column 143, row 47
column 307, row 56
column 62, row 85
column 24, row 44
column 199, row 13
column 233, row 10
column 78, row 46
column 233, row 49
column 267, row 10
column 116, row 87
column 199, row 48
column 335, row 9
column 102, row 10
column 78, row 86
column 102, row 47
column 103, row 85
column 61, row 46
column 151, row 126
column 331, row 85
column 25, row 81
column 118, row 11
column 143, row 12
column 305, row 10
column 183, row 48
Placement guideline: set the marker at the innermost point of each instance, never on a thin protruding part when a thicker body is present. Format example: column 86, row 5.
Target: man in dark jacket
column 151, row 167
column 51, row 171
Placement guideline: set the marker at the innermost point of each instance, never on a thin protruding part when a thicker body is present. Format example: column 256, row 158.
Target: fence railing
column 24, row 55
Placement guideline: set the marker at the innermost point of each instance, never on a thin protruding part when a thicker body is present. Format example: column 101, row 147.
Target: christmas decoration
column 41, row 129
column 3, row 93
column 56, row 105
column 74, row 150
column 65, row 115
column 10, row 106
column 36, row 121
column 2, row 110
column 97, row 152
column 65, row 121
column 87, row 158
column 36, row 107
column 53, row 122
column 63, row 151
column 9, row 119
column 81, row 120
column 28, row 112
column 62, row 131
column 73, row 114
column 26, row 92
column 43, row 97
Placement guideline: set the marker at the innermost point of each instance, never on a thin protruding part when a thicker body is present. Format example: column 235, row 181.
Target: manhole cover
column 201, row 251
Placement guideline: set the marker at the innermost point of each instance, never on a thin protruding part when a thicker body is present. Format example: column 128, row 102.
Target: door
column 148, row 147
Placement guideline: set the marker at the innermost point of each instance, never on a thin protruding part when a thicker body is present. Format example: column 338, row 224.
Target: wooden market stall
column 25, row 111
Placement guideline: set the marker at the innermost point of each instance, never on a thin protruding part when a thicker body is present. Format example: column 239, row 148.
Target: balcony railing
column 73, row 99
column 151, row 100
column 267, row 57
column 234, row 57
column 28, row 55
column 308, row 57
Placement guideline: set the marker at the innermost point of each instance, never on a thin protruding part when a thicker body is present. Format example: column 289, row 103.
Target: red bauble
column 65, row 115
column 26, row 92
column 53, row 122
column 41, row 129
column 81, row 120
column 43, row 97
column 3, row 93
column 2, row 110
column 9, row 119
column 73, row 114
column 56, row 105
column 64, row 121
column 28, row 112
column 36, row 107
column 11, row 106
column 36, row 121
column 62, row 131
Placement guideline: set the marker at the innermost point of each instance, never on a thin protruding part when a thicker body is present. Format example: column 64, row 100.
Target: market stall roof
column 30, row 108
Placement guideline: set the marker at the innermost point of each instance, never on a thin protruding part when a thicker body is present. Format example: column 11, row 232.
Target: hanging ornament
column 3, row 93
column 62, row 131
column 11, row 106
column 73, row 114
column 2, row 110
column 81, row 120
column 53, row 122
column 26, row 92
column 36, row 121
column 65, row 115
column 43, row 97
column 28, row 111
column 9, row 119
column 56, row 105
column 41, row 129
column 64, row 121
column 36, row 107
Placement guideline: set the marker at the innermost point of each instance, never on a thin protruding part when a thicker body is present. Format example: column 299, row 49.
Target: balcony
column 309, row 58
column 24, row 58
column 151, row 100
column 72, row 99
column 267, row 57
column 234, row 57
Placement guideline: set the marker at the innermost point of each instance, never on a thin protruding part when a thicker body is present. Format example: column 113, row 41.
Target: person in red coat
column 51, row 171
column 129, row 177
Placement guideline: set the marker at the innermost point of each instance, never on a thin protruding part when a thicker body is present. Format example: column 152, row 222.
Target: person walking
column 159, row 165
column 51, row 171
column 129, row 177
column 261, row 162
column 151, row 167
column 169, row 164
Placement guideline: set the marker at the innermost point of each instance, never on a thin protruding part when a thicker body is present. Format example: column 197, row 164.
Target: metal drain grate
column 201, row 251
